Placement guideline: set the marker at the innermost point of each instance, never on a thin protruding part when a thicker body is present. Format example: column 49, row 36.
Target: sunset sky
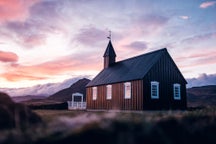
column 47, row 41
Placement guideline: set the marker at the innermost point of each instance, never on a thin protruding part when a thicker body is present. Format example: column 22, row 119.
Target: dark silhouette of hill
column 26, row 98
column 202, row 96
column 15, row 115
column 65, row 94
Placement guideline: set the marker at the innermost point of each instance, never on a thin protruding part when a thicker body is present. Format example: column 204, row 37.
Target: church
column 150, row 81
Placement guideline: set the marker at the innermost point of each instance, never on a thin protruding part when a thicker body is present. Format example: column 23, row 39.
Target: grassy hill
column 65, row 94
column 202, row 96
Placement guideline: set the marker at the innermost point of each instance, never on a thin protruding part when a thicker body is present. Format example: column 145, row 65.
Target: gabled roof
column 130, row 69
column 109, row 50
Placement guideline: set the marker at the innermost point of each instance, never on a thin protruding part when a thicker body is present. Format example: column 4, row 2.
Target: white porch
column 73, row 105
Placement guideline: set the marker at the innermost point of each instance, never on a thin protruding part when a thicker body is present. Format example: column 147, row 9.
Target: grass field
column 81, row 127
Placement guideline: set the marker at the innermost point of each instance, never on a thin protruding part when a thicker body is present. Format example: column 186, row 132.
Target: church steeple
column 109, row 55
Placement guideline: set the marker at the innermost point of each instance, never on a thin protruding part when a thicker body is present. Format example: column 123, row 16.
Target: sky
column 48, row 41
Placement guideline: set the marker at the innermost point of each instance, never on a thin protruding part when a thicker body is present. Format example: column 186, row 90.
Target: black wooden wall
column 166, row 73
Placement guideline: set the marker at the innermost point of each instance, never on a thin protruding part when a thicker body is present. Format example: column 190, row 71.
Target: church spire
column 109, row 55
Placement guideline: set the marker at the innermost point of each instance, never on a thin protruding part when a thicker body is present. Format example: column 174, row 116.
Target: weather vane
column 109, row 37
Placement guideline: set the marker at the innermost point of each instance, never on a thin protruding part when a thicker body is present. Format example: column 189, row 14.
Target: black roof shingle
column 130, row 69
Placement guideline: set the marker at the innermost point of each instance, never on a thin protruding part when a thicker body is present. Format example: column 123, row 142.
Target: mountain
column 65, row 94
column 40, row 90
column 202, row 96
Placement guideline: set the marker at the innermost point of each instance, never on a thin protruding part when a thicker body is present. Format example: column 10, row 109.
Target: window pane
column 155, row 90
column 94, row 93
column 127, row 91
column 109, row 91
column 176, row 91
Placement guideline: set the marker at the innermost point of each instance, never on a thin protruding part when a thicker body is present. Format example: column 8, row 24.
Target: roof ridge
column 124, row 70
column 155, row 51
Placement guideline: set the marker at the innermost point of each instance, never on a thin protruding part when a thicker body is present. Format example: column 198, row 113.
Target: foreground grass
column 166, row 127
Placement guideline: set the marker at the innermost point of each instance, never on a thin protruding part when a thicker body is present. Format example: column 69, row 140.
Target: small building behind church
column 150, row 81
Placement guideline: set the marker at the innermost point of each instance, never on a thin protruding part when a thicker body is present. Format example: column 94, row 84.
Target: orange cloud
column 46, row 70
column 8, row 57
column 207, row 4
column 19, row 76
column 15, row 9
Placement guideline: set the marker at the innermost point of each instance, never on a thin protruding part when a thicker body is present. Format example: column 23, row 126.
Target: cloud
column 49, row 12
column 29, row 34
column 18, row 76
column 198, row 55
column 202, row 80
column 66, row 64
column 8, row 56
column 198, row 38
column 184, row 17
column 91, row 35
column 44, row 19
column 207, row 4
column 198, row 60
column 15, row 10
column 41, row 90
column 152, row 21
column 138, row 45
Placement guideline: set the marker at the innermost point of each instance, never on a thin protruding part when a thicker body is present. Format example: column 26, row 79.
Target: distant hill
column 202, row 96
column 65, row 94
column 26, row 98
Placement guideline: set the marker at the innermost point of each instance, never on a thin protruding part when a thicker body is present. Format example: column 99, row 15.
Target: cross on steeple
column 109, row 55
column 109, row 37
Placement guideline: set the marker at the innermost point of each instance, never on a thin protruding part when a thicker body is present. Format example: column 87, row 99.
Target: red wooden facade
column 117, row 102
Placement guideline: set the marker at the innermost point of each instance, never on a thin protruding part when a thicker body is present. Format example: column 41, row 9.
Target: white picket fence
column 76, row 105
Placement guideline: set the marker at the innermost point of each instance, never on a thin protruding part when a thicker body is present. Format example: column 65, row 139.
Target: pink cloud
column 20, row 76
column 207, row 4
column 138, row 45
column 90, row 36
column 8, row 57
column 33, row 40
column 198, row 55
column 68, row 64
column 210, row 60
column 11, row 10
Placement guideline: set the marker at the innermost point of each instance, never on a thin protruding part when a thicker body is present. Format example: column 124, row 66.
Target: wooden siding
column 118, row 102
column 166, row 73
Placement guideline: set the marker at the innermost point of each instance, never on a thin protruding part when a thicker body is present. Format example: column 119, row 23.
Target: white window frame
column 127, row 90
column 177, row 91
column 94, row 93
column 109, row 92
column 153, row 95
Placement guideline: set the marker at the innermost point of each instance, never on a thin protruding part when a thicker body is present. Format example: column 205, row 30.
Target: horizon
column 49, row 41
